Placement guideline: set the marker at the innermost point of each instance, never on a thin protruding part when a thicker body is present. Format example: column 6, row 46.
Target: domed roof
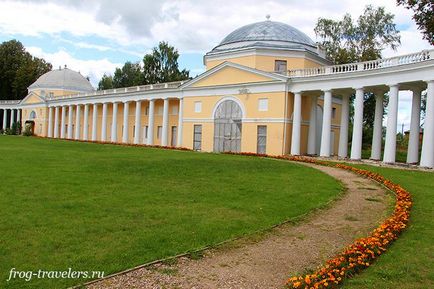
column 269, row 34
column 66, row 79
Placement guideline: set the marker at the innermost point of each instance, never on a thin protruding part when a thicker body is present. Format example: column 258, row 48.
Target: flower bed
column 362, row 252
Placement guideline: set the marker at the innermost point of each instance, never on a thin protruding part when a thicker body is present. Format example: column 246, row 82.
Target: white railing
column 158, row 86
column 9, row 101
column 363, row 66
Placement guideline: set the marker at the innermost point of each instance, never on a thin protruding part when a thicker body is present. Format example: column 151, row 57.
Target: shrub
column 27, row 131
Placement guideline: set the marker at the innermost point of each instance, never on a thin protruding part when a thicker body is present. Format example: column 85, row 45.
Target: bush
column 28, row 131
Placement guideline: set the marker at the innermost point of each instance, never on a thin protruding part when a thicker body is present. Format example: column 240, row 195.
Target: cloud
column 94, row 69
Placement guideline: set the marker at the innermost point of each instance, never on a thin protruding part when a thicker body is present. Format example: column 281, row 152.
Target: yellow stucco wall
column 265, row 63
column 253, row 117
column 230, row 75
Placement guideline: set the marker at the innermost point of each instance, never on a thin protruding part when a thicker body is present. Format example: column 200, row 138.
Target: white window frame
column 198, row 106
column 263, row 104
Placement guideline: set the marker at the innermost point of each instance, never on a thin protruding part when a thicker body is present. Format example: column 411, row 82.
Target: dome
column 270, row 34
column 65, row 79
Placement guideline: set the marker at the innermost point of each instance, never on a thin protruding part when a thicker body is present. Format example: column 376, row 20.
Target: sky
column 94, row 37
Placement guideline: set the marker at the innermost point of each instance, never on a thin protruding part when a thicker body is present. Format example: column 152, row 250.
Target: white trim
column 233, row 98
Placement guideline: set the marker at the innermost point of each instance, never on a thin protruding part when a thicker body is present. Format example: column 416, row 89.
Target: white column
column 377, row 135
column 50, row 122
column 356, row 144
column 137, row 126
column 150, row 140
column 165, row 127
column 86, row 122
column 70, row 112
column 427, row 157
column 392, row 119
column 345, row 120
column 5, row 112
column 180, row 121
column 125, row 130
column 311, row 142
column 114, row 136
column 12, row 118
column 63, row 124
column 94, row 121
column 296, row 125
column 77, row 122
column 104, row 122
column 326, row 124
column 56, row 122
column 19, row 116
column 413, row 142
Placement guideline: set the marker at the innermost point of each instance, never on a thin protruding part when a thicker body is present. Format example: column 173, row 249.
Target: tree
column 18, row 70
column 346, row 41
column 106, row 82
column 423, row 16
column 158, row 67
column 162, row 65
column 129, row 75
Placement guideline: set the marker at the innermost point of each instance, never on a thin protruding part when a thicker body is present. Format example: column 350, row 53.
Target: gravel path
column 287, row 250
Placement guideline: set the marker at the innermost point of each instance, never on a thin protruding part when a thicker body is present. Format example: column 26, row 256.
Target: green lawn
column 409, row 263
column 108, row 208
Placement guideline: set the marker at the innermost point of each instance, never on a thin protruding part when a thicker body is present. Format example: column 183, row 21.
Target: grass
column 409, row 262
column 108, row 208
column 401, row 154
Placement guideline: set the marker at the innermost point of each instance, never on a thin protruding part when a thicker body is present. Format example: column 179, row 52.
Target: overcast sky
column 94, row 37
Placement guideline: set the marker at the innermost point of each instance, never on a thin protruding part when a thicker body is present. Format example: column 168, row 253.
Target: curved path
column 286, row 250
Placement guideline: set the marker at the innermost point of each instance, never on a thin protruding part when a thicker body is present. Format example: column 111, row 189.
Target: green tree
column 162, row 65
column 423, row 16
column 106, row 82
column 347, row 41
column 129, row 75
column 158, row 67
column 18, row 69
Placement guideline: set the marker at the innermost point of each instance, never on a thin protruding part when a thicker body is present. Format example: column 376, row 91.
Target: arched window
column 32, row 115
column 227, row 127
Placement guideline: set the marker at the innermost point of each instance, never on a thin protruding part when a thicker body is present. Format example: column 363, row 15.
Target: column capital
column 358, row 88
column 327, row 90
column 297, row 92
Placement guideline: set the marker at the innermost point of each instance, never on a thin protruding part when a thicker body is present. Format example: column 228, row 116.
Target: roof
column 66, row 79
column 269, row 34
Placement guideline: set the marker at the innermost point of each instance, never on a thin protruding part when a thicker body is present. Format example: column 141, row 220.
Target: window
column 159, row 131
column 280, row 66
column 174, row 136
column 51, row 94
column 134, row 131
column 146, row 131
column 42, row 92
column 147, row 110
column 174, row 110
column 197, row 137
column 334, row 112
column 263, row 104
column 198, row 106
column 32, row 115
column 262, row 139
column 160, row 110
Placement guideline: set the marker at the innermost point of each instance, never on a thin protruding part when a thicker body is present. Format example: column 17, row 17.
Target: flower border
column 362, row 252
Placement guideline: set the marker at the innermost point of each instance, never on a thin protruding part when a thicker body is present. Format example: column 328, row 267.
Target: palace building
column 267, row 88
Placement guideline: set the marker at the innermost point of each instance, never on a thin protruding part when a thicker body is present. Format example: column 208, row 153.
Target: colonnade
column 427, row 154
column 63, row 115
column 14, row 116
